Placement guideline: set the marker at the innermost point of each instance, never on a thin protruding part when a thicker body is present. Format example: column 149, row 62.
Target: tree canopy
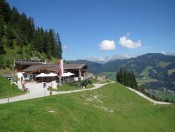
column 20, row 37
column 126, row 78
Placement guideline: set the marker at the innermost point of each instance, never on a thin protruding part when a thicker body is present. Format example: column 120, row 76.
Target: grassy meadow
column 8, row 90
column 165, row 96
column 111, row 108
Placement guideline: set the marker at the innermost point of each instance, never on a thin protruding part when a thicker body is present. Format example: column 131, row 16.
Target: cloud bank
column 128, row 43
column 106, row 45
column 168, row 53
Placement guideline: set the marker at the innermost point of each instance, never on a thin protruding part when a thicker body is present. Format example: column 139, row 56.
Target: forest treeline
column 21, row 39
column 126, row 78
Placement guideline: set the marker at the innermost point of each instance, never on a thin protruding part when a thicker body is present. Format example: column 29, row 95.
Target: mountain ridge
column 103, row 60
column 155, row 70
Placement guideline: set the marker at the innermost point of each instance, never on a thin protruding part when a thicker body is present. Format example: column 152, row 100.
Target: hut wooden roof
column 74, row 66
column 29, row 62
column 54, row 67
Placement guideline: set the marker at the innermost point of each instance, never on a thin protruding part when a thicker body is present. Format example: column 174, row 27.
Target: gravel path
column 36, row 90
column 146, row 97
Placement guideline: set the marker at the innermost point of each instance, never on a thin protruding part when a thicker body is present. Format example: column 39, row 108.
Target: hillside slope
column 111, row 108
column 8, row 90
column 21, row 39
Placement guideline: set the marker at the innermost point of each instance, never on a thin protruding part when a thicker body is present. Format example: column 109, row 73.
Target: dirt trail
column 144, row 96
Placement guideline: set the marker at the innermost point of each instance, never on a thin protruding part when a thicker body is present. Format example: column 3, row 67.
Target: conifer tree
column 19, row 32
column 2, row 51
column 133, row 82
column 126, row 78
column 38, row 40
column 52, row 41
column 58, row 46
column 5, row 10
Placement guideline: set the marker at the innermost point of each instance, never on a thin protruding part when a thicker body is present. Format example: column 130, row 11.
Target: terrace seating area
column 30, row 69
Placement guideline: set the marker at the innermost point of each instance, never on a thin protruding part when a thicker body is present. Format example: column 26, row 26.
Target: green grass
column 66, row 87
column 171, row 71
column 97, row 81
column 166, row 96
column 142, row 81
column 90, row 86
column 4, row 71
column 164, row 64
column 8, row 90
column 146, row 71
column 111, row 108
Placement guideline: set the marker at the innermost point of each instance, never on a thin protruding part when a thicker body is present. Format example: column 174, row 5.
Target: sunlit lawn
column 7, row 89
column 111, row 108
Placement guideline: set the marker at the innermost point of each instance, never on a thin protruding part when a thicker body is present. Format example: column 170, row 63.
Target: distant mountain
column 155, row 70
column 139, row 63
column 103, row 60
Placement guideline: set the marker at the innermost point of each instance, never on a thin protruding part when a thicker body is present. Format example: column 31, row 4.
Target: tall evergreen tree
column 1, row 28
column 30, row 29
column 38, row 40
column 15, row 19
column 52, row 41
column 133, row 80
column 126, row 78
column 2, row 51
column 19, row 32
column 5, row 10
column 58, row 45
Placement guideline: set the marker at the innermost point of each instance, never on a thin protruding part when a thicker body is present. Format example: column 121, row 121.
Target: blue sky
column 99, row 28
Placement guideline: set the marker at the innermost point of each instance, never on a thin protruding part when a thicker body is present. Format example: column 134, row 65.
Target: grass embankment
column 111, row 108
column 67, row 87
column 166, row 96
column 8, row 90
column 100, row 82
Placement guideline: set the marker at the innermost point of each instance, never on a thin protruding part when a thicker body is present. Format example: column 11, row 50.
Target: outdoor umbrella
column 70, row 74
column 42, row 75
column 52, row 75
column 67, row 74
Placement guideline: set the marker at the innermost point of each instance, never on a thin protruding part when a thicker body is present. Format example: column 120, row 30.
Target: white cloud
column 128, row 43
column 107, row 45
column 168, row 53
